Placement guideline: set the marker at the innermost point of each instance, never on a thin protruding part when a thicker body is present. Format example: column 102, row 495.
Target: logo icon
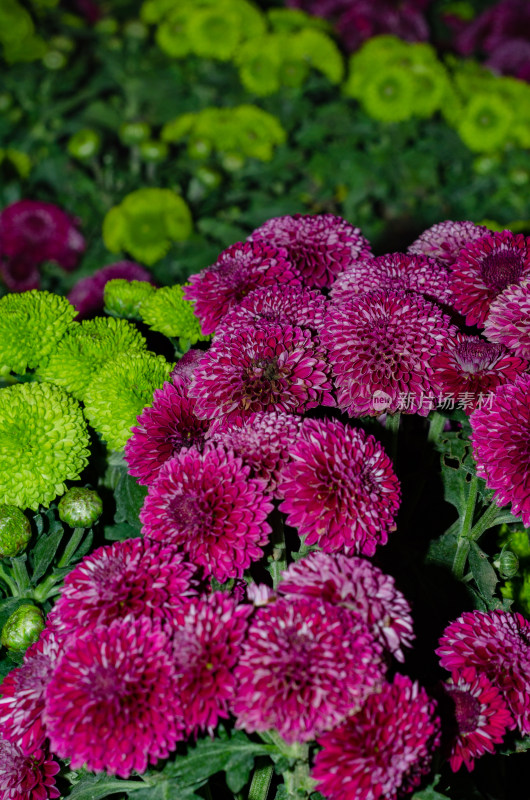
column 381, row 401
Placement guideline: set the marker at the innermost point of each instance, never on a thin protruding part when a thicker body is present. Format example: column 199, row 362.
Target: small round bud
column 209, row 177
column 107, row 26
column 232, row 162
column 84, row 144
column 153, row 152
column 80, row 508
column 132, row 133
column 199, row 148
column 54, row 59
column 22, row 628
column 507, row 563
column 15, row 531
column 135, row 29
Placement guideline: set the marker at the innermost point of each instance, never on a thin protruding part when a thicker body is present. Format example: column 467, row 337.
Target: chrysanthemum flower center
column 36, row 225
column 262, row 380
column 475, row 357
column 467, row 710
column 190, row 514
column 499, row 270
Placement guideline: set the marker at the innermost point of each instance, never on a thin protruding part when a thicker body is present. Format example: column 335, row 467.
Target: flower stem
column 487, row 520
column 71, row 547
column 261, row 781
column 392, row 426
column 10, row 582
column 436, row 426
column 469, row 532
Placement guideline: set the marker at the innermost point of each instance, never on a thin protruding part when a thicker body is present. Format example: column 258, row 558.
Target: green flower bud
column 15, row 531
column 84, row 144
column 135, row 29
column 54, row 59
column 209, row 177
column 232, row 162
column 153, row 152
column 22, row 628
column 132, row 133
column 107, row 26
column 199, row 148
column 80, row 508
column 64, row 43
column 507, row 563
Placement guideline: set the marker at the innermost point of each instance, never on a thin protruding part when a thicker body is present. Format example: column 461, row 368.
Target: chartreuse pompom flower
column 389, row 95
column 43, row 443
column 260, row 61
column 31, row 324
column 320, row 51
column 15, row 531
column 120, row 391
column 288, row 20
column 122, row 298
column 146, row 222
column 167, row 312
column 84, row 350
column 486, row 122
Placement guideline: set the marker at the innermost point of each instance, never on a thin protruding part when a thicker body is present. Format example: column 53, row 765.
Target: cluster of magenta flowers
column 263, row 429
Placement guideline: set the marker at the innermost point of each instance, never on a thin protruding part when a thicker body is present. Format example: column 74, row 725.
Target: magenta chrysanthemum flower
column 340, row 489
column 501, row 445
column 237, row 271
column 383, row 751
column 364, row 19
column 469, row 370
column 264, row 443
column 486, row 268
column 137, row 576
column 206, row 649
column 497, row 644
column 111, row 707
column 271, row 368
column 444, row 240
column 355, row 584
column 279, row 305
column 480, row 717
column 320, row 245
column 381, row 345
column 22, row 694
column 395, row 271
column 87, row 294
column 26, row 777
column 19, row 273
column 40, row 232
column 207, row 504
column 508, row 321
column 304, row 666
column 185, row 367
column 162, row 431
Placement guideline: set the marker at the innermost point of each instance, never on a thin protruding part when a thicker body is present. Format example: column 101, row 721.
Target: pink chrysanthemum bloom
column 40, row 232
column 279, row 305
column 271, row 368
column 395, row 271
column 26, row 777
column 355, row 584
column 237, row 271
column 304, row 666
column 87, row 294
column 484, row 269
column 444, row 240
column 20, row 274
column 380, row 346
column 207, row 504
column 469, row 370
column 508, row 321
column 480, row 717
column 162, row 431
column 340, row 488
column 185, row 367
column 264, row 443
column 206, row 649
column 138, row 577
column 23, row 691
column 320, row 245
column 382, row 751
column 497, row 644
column 108, row 705
column 501, row 445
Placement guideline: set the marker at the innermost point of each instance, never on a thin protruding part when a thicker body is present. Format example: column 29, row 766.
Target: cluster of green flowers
column 270, row 50
column 244, row 131
column 18, row 38
column 97, row 371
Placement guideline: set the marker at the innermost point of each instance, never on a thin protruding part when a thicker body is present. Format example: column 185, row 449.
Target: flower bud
column 15, row 531
column 80, row 508
column 153, row 152
column 507, row 563
column 84, row 144
column 132, row 133
column 22, row 628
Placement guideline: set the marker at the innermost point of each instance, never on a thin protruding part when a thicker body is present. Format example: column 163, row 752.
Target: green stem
column 72, row 546
column 261, row 781
column 20, row 574
column 392, row 426
column 10, row 582
column 436, row 426
column 278, row 558
column 487, row 520
column 462, row 549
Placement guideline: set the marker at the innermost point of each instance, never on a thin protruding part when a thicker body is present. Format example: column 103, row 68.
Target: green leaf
column 429, row 794
column 519, row 746
column 129, row 496
column 45, row 550
column 485, row 576
column 97, row 787
column 442, row 550
column 120, row 532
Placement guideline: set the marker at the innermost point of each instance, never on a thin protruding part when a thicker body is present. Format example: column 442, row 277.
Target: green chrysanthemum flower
column 389, row 95
column 31, row 324
column 86, row 348
column 214, row 32
column 167, row 312
column 259, row 132
column 259, row 62
column 15, row 531
column 123, row 298
column 430, row 87
column 320, row 51
column 43, row 443
column 288, row 20
column 177, row 129
column 486, row 123
column 171, row 34
column 145, row 224
column 120, row 391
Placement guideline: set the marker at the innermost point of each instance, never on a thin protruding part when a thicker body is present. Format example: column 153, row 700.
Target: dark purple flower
column 87, row 294
column 26, row 777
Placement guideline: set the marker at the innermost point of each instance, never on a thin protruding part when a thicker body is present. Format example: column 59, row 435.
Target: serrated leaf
column 45, row 550
column 519, row 746
column 97, row 787
column 442, row 550
column 485, row 576
column 129, row 496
